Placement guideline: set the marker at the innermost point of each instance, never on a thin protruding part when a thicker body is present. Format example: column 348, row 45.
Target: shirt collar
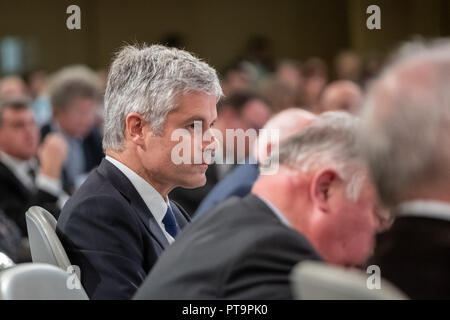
column 425, row 208
column 152, row 198
column 15, row 164
column 277, row 212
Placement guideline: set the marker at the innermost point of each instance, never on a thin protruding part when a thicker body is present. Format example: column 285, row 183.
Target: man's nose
column 210, row 144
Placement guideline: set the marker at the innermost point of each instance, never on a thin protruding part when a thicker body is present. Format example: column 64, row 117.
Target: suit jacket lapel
column 11, row 177
column 126, row 188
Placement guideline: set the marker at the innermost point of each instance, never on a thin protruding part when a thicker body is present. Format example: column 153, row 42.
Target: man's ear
column 321, row 188
column 134, row 128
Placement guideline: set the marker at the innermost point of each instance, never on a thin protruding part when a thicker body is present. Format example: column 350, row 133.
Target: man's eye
column 212, row 125
column 192, row 125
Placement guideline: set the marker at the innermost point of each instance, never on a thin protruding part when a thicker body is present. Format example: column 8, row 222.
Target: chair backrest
column 312, row 280
column 45, row 245
column 38, row 281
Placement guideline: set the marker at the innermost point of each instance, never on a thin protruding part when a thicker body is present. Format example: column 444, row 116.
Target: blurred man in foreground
column 319, row 205
column 405, row 136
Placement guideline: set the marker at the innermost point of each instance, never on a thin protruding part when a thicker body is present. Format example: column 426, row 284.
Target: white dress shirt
column 425, row 208
column 152, row 198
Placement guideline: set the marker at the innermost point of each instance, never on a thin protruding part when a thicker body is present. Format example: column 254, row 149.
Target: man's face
column 19, row 134
column 156, row 155
column 346, row 234
column 78, row 117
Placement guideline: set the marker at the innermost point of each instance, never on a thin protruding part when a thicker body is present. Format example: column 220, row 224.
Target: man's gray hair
column 328, row 142
column 406, row 121
column 72, row 82
column 149, row 80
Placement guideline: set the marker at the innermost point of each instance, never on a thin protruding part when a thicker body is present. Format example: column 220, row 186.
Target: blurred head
column 36, row 81
column 242, row 110
column 348, row 66
column 12, row 87
column 290, row 73
column 324, row 190
column 406, row 125
column 151, row 92
column 279, row 94
column 288, row 123
column 235, row 79
column 341, row 95
column 74, row 94
column 19, row 134
column 316, row 78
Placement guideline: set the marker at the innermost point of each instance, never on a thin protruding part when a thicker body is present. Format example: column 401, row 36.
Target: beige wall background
column 216, row 30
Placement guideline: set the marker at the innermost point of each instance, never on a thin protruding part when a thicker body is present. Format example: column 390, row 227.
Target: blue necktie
column 169, row 222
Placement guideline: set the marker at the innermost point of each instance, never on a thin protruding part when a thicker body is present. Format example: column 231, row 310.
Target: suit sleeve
column 103, row 239
column 263, row 271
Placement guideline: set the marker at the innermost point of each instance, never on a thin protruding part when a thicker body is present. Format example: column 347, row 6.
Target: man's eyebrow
column 194, row 118
column 198, row 118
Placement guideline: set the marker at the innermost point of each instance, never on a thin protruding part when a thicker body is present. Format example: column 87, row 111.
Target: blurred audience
column 236, row 78
column 316, row 78
column 405, row 134
column 242, row 110
column 24, row 181
column 240, row 181
column 12, row 87
column 37, row 81
column 341, row 95
column 74, row 93
column 320, row 205
column 348, row 66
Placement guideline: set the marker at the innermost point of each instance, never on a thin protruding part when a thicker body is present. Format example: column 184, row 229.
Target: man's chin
column 195, row 181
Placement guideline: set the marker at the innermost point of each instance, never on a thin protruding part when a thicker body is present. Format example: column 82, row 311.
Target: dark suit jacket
column 93, row 153
column 109, row 232
column 239, row 251
column 16, row 199
column 237, row 183
column 415, row 256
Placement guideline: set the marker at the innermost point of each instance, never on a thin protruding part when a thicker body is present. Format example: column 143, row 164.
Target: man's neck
column 277, row 191
column 132, row 162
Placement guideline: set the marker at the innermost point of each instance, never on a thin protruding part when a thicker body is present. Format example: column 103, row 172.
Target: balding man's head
column 12, row 87
column 341, row 95
column 406, row 125
column 288, row 123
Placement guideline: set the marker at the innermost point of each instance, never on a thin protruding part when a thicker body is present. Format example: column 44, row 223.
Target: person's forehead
column 192, row 104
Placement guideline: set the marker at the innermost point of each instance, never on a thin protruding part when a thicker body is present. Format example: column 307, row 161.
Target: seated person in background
column 242, row 110
column 74, row 93
column 23, row 181
column 405, row 136
column 319, row 205
column 12, row 87
column 120, row 220
column 240, row 181
column 342, row 95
